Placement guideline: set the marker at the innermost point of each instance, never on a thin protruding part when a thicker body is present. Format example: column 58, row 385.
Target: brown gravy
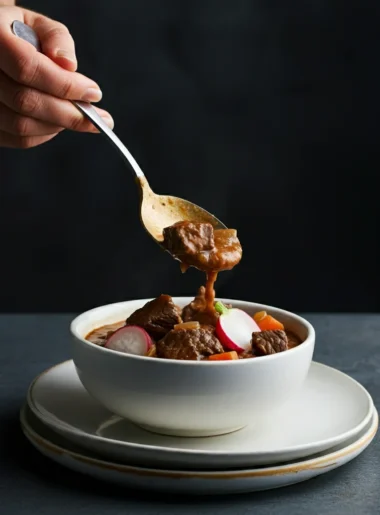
column 226, row 253
column 100, row 334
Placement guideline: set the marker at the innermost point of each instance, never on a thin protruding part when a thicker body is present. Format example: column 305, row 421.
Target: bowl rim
column 309, row 340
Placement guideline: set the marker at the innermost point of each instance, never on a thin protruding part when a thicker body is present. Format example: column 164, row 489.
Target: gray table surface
column 31, row 483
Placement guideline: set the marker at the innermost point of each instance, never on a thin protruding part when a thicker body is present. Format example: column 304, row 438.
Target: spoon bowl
column 160, row 211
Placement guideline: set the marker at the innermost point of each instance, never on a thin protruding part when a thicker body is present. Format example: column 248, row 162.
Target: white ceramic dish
column 192, row 483
column 330, row 408
column 190, row 398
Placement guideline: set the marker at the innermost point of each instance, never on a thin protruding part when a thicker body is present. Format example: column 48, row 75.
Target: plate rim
column 51, row 422
column 320, row 462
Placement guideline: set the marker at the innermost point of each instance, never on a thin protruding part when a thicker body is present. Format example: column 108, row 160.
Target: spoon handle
column 28, row 34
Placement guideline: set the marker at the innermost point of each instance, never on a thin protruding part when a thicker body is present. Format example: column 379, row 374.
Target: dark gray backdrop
column 264, row 112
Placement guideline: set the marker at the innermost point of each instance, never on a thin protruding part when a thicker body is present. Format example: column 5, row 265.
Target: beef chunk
column 191, row 344
column 208, row 327
column 188, row 238
column 198, row 304
column 269, row 342
column 157, row 317
column 197, row 311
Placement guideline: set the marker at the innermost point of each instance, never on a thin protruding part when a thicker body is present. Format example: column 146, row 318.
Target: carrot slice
column 224, row 356
column 268, row 323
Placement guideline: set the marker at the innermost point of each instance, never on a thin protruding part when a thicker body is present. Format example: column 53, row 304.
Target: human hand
column 35, row 88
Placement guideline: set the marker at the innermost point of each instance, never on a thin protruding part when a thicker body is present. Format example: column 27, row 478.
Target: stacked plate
column 330, row 423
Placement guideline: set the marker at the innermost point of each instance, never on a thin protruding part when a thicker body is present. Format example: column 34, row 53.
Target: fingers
column 19, row 125
column 56, row 42
column 35, row 88
column 31, row 103
column 24, row 64
column 106, row 117
column 13, row 141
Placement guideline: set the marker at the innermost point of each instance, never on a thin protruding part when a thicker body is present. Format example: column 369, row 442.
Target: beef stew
column 190, row 334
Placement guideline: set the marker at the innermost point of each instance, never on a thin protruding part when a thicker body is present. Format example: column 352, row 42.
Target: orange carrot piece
column 225, row 356
column 269, row 323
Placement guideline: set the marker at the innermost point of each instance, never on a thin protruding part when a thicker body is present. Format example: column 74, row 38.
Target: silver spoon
column 156, row 211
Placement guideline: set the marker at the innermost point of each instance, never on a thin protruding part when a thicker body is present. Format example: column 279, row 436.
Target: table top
column 28, row 481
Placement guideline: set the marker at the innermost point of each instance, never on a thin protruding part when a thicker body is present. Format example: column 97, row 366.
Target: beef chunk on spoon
column 189, row 238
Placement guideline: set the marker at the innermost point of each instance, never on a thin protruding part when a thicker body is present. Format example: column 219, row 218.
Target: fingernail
column 92, row 95
column 67, row 55
column 109, row 121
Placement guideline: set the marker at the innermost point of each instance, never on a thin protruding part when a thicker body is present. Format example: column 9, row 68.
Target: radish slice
column 130, row 339
column 234, row 328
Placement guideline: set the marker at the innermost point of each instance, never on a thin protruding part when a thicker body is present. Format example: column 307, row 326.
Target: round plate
column 67, row 454
column 331, row 408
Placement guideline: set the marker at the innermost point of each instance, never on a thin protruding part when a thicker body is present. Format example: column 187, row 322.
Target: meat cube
column 188, row 344
column 190, row 311
column 196, row 310
column 269, row 342
column 157, row 317
column 188, row 238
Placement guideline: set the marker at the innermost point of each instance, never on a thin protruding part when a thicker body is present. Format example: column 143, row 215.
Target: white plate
column 67, row 454
column 331, row 408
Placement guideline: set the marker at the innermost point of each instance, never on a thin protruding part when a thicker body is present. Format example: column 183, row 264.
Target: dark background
column 264, row 112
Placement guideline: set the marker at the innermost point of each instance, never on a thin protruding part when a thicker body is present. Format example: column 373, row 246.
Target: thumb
column 56, row 42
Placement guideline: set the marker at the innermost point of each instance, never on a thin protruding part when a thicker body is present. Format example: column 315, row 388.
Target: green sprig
column 221, row 308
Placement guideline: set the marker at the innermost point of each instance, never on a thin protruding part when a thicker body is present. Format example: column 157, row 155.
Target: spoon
column 156, row 211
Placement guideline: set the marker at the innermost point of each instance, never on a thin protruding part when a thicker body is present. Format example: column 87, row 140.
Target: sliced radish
column 234, row 328
column 130, row 339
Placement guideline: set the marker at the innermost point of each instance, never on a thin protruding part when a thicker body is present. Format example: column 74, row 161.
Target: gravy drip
column 210, row 291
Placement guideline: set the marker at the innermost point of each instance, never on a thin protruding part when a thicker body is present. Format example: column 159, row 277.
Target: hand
column 35, row 87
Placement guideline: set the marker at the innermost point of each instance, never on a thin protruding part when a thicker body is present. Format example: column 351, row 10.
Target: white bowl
column 191, row 398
